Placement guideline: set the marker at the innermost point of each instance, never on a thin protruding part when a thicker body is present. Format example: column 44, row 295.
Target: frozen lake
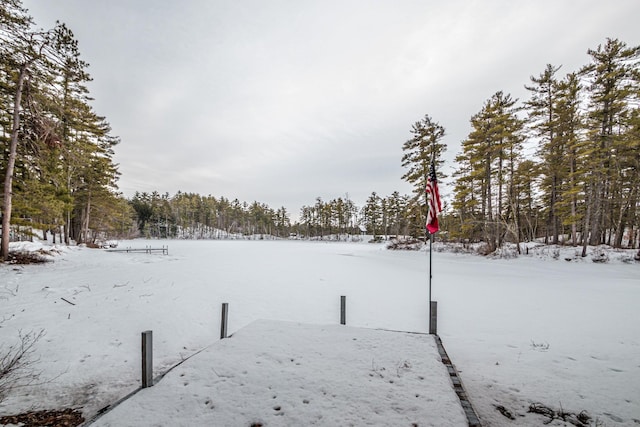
column 532, row 329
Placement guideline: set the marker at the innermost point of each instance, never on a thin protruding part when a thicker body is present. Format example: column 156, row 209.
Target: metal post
column 223, row 321
column 147, row 359
column 433, row 319
column 343, row 310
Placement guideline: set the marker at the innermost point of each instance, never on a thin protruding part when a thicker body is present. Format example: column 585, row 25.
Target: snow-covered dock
column 274, row 373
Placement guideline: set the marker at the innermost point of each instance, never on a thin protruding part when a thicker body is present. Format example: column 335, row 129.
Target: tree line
column 191, row 215
column 563, row 165
column 56, row 158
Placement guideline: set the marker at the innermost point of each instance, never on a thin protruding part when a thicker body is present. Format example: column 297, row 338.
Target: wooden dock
column 472, row 416
column 287, row 373
column 147, row 250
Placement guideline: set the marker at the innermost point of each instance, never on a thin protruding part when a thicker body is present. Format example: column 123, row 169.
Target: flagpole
column 434, row 208
column 430, row 236
column 430, row 270
column 432, row 171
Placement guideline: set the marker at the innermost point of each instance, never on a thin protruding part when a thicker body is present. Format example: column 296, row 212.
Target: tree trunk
column 553, row 220
column 499, row 216
column 617, row 242
column 84, row 231
column 489, row 226
column 8, row 180
column 574, row 202
column 585, row 230
column 67, row 228
column 596, row 215
column 574, row 225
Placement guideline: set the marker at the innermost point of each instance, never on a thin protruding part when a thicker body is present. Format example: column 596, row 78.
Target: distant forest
column 563, row 165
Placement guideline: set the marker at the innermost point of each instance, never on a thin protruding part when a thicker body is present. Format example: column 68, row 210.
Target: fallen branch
column 504, row 411
column 67, row 301
column 581, row 419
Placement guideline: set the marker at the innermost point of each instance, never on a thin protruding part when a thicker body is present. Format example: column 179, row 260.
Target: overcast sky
column 285, row 101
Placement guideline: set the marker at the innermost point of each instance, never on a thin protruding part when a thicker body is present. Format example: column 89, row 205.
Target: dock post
column 433, row 318
column 223, row 321
column 343, row 310
column 147, row 359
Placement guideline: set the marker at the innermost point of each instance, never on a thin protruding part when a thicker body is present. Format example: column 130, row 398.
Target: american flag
column 433, row 201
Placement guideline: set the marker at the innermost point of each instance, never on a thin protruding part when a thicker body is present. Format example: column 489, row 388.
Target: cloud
column 283, row 101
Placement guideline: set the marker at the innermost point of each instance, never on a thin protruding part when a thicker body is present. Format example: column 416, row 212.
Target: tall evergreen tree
column 21, row 50
column 466, row 198
column 544, row 122
column 488, row 163
column 60, row 152
column 372, row 215
column 420, row 151
column 612, row 85
column 569, row 130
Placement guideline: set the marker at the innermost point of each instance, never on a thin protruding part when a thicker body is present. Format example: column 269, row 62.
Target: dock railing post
column 343, row 310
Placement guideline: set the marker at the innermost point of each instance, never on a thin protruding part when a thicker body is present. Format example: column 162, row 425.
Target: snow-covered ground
column 536, row 329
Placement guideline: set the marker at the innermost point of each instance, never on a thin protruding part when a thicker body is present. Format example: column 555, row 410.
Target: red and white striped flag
column 433, row 201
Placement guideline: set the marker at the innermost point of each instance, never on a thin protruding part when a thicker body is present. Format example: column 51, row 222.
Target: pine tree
column 544, row 122
column 569, row 130
column 63, row 162
column 397, row 218
column 86, row 170
column 467, row 194
column 282, row 222
column 21, row 51
column 612, row 84
column 423, row 149
column 372, row 215
column 487, row 166
column 527, row 208
column 631, row 172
